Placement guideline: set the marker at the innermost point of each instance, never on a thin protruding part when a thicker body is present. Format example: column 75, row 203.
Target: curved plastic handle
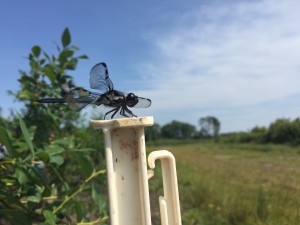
column 169, row 203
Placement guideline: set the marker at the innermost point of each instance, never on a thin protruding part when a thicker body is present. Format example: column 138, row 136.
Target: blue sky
column 238, row 60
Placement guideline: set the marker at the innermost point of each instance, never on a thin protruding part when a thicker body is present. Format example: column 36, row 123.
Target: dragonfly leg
column 114, row 109
column 122, row 112
column 130, row 112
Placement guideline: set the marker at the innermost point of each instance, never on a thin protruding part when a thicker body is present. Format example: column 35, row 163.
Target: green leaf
column 34, row 198
column 25, row 94
column 43, row 155
column 36, row 50
column 72, row 64
column 53, row 58
column 64, row 141
column 42, row 176
column 57, row 47
column 50, row 217
column 47, row 56
column 7, row 180
column 57, row 159
column 66, row 38
column 86, row 166
column 34, row 65
column 16, row 216
column 4, row 139
column 83, row 150
column 6, row 195
column 55, row 150
column 42, row 61
column 31, row 131
column 50, row 74
column 66, row 54
column 83, row 57
column 99, row 200
column 22, row 175
column 20, row 146
column 75, row 48
column 79, row 211
column 26, row 135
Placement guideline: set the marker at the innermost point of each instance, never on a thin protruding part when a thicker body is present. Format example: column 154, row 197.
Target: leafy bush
column 49, row 77
column 48, row 166
column 281, row 131
column 284, row 131
column 36, row 183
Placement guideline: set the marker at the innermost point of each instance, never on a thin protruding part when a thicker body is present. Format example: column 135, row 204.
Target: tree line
column 209, row 128
column 281, row 131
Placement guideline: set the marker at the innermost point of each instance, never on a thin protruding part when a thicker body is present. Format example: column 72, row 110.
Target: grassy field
column 230, row 184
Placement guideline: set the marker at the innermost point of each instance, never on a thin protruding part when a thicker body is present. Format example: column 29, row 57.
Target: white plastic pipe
column 169, row 203
column 127, row 169
column 128, row 176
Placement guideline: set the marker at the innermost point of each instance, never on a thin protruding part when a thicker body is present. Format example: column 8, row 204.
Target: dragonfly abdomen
column 52, row 100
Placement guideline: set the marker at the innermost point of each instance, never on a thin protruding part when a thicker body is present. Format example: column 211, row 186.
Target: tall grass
column 236, row 184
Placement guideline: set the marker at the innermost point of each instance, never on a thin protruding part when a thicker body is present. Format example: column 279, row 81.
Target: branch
column 80, row 189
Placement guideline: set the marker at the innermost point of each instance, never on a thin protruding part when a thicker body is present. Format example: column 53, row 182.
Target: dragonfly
column 120, row 102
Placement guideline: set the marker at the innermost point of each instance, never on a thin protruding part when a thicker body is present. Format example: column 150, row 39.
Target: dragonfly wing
column 79, row 98
column 142, row 103
column 99, row 78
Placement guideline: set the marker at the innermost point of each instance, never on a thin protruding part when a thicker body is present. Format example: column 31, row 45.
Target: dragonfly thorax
column 111, row 98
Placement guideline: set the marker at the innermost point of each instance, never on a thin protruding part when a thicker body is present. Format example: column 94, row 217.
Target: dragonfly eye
column 131, row 100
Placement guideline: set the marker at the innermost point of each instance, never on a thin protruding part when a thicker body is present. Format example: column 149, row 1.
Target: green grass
column 230, row 184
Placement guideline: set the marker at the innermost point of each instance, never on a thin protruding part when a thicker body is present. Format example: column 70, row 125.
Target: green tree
column 258, row 134
column 209, row 126
column 153, row 133
column 295, row 126
column 281, row 131
column 177, row 129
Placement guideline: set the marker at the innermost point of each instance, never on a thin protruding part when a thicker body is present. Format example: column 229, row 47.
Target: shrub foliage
column 48, row 165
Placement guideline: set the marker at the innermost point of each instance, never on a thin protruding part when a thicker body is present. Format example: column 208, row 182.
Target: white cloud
column 221, row 56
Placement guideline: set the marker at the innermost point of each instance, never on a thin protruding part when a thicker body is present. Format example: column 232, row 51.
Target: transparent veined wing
column 142, row 103
column 78, row 98
column 99, row 78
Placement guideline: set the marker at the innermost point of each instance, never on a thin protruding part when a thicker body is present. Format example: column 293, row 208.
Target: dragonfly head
column 131, row 100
